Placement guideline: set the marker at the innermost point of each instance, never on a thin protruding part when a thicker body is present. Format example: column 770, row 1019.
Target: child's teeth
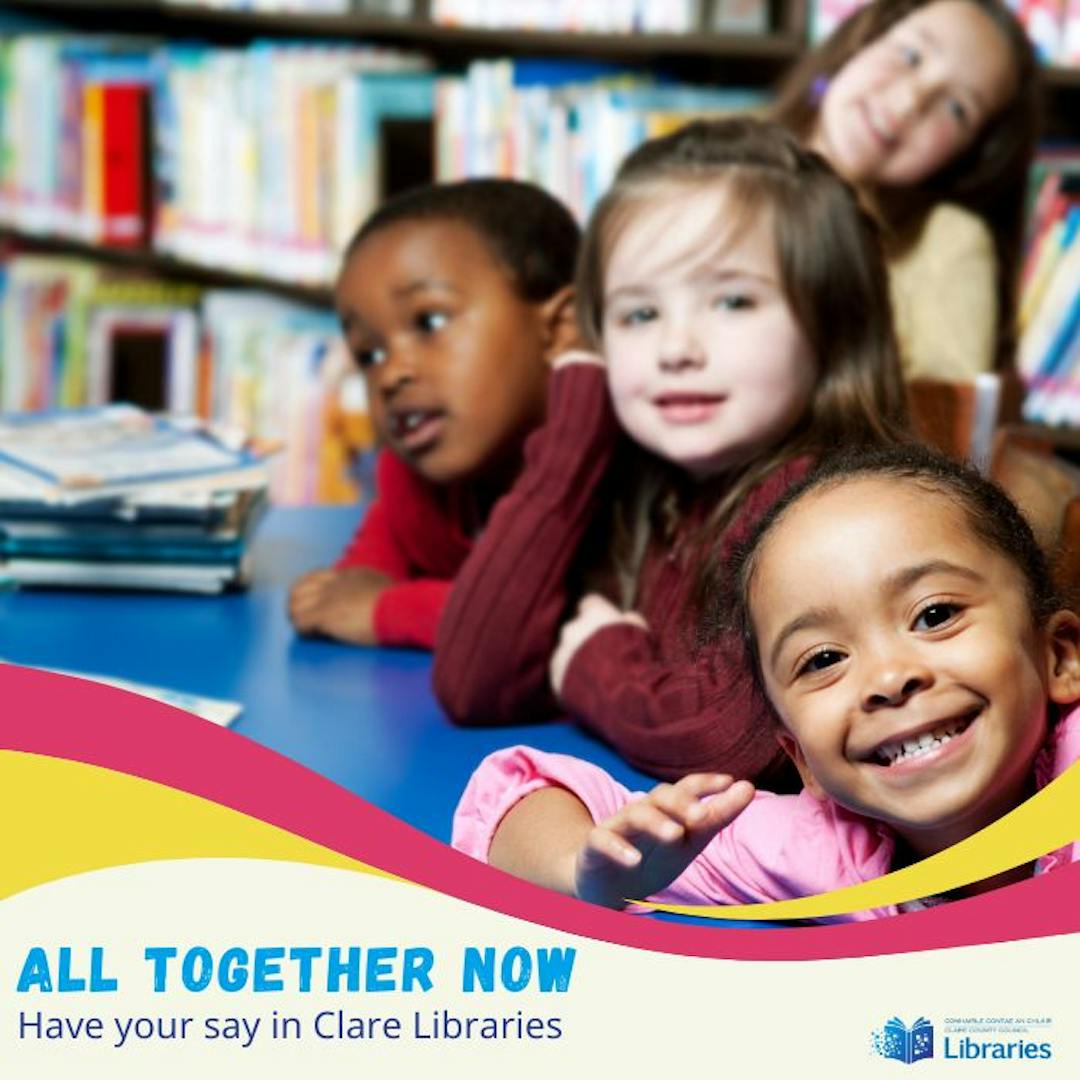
column 907, row 749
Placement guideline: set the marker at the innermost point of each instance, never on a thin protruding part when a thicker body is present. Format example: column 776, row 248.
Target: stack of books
column 117, row 498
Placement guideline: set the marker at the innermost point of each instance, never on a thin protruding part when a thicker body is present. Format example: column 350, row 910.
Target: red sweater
column 666, row 710
column 412, row 533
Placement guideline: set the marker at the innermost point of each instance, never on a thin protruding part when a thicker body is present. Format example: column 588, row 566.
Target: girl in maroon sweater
column 454, row 299
column 735, row 295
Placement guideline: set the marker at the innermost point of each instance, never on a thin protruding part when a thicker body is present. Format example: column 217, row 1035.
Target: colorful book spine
column 300, row 128
column 123, row 164
column 563, row 125
column 612, row 17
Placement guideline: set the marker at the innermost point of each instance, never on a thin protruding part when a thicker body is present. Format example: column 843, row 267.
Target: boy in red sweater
column 454, row 299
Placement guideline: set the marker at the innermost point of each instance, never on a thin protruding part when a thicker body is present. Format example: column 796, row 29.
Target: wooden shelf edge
column 772, row 45
column 773, row 48
column 153, row 262
column 1062, row 78
column 1063, row 436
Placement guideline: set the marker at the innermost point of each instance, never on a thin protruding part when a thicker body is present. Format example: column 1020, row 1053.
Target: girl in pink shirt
column 900, row 620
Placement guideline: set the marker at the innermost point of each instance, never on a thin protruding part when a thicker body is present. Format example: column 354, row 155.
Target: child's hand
column 577, row 356
column 337, row 603
column 649, row 843
column 593, row 613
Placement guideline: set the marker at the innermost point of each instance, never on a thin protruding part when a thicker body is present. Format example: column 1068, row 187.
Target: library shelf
column 773, row 48
column 1062, row 78
column 1062, row 438
column 752, row 58
column 147, row 260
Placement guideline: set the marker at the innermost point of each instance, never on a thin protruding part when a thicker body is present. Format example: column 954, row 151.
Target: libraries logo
column 902, row 1043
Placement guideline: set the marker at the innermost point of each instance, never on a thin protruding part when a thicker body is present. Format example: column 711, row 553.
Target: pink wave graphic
column 62, row 717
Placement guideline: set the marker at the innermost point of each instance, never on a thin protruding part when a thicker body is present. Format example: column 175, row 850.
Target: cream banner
column 238, row 968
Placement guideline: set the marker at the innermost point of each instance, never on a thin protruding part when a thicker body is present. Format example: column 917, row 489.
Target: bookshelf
column 758, row 58
column 153, row 16
column 165, row 266
column 751, row 59
column 755, row 60
column 747, row 59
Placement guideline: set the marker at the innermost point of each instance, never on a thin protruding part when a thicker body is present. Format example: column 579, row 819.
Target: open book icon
column 896, row 1040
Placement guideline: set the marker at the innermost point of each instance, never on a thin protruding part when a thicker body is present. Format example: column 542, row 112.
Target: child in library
column 453, row 299
column 735, row 296
column 931, row 108
column 900, row 618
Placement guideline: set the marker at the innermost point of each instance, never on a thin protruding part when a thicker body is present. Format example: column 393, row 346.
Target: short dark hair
column 992, row 516
column 529, row 231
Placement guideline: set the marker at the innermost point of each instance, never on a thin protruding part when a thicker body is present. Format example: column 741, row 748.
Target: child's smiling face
column 911, row 101
column 900, row 652
column 453, row 356
column 706, row 362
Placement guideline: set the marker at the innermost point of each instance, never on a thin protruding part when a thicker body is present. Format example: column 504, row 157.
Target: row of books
column 73, row 334
column 316, row 7
column 257, row 159
column 74, row 137
column 562, row 16
column 563, row 126
column 393, row 8
column 593, row 16
column 267, row 158
column 118, row 498
column 1049, row 317
column 264, row 159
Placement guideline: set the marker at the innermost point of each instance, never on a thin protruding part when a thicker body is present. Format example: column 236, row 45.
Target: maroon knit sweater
column 665, row 709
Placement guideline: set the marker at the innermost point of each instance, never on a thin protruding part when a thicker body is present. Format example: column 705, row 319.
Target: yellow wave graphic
column 1045, row 822
column 75, row 817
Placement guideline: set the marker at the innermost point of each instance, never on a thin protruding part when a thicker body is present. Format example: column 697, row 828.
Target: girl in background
column 735, row 296
column 453, row 299
column 931, row 108
column 900, row 618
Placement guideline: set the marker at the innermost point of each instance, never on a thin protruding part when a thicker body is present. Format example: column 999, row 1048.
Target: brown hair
column 832, row 277
column 989, row 177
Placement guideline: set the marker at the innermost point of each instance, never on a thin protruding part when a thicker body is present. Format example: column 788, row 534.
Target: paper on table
column 216, row 710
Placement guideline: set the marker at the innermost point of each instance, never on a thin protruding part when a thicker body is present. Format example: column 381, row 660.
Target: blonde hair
column 833, row 279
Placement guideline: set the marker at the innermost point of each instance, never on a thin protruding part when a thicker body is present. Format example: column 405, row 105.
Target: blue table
column 365, row 718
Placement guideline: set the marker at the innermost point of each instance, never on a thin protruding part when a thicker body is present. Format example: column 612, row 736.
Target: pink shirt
column 779, row 848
